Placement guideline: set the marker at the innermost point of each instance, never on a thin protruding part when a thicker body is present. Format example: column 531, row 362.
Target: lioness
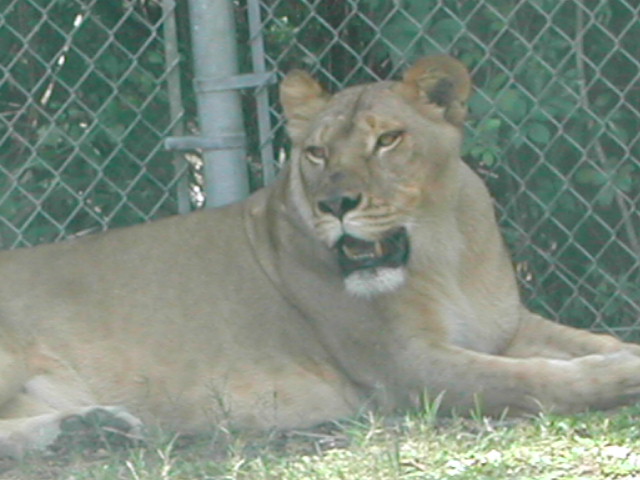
column 371, row 271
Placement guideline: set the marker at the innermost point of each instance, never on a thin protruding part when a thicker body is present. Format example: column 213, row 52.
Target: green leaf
column 623, row 179
column 480, row 105
column 49, row 136
column 619, row 132
column 539, row 133
column 446, row 30
column 603, row 100
column 497, row 82
column 590, row 176
column 512, row 104
column 605, row 196
column 488, row 158
column 419, row 9
column 491, row 125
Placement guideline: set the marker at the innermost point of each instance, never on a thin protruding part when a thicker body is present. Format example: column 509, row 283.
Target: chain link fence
column 554, row 125
column 88, row 93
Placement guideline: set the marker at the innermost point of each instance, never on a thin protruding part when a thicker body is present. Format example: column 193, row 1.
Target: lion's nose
column 340, row 205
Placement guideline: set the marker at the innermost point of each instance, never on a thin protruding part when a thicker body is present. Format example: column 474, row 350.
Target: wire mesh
column 83, row 111
column 553, row 127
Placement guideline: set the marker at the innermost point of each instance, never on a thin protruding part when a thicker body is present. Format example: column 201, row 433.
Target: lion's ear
column 442, row 81
column 301, row 98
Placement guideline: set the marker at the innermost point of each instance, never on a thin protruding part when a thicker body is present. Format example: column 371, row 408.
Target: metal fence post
column 176, row 110
column 219, row 109
column 258, row 57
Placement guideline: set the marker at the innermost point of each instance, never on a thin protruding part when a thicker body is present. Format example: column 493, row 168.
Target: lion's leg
column 30, row 425
column 39, row 409
column 539, row 337
column 526, row 385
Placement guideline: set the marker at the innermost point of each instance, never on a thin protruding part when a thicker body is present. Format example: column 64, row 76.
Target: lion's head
column 372, row 159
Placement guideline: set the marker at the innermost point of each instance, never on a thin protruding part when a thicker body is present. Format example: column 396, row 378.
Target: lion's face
column 371, row 160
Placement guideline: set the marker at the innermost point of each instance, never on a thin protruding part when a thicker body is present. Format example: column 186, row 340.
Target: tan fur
column 240, row 316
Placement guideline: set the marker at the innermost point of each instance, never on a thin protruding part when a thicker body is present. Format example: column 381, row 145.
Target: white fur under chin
column 369, row 283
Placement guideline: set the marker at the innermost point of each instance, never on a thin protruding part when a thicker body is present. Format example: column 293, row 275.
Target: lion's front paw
column 96, row 428
column 601, row 381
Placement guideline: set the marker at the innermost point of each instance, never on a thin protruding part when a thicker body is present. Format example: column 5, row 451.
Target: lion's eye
column 316, row 153
column 389, row 139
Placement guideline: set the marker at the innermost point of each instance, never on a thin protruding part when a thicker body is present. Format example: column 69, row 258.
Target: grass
column 589, row 446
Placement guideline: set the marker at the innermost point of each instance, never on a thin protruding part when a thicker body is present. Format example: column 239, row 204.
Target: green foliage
column 553, row 124
column 84, row 114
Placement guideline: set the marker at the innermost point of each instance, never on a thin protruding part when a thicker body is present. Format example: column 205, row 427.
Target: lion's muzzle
column 356, row 254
